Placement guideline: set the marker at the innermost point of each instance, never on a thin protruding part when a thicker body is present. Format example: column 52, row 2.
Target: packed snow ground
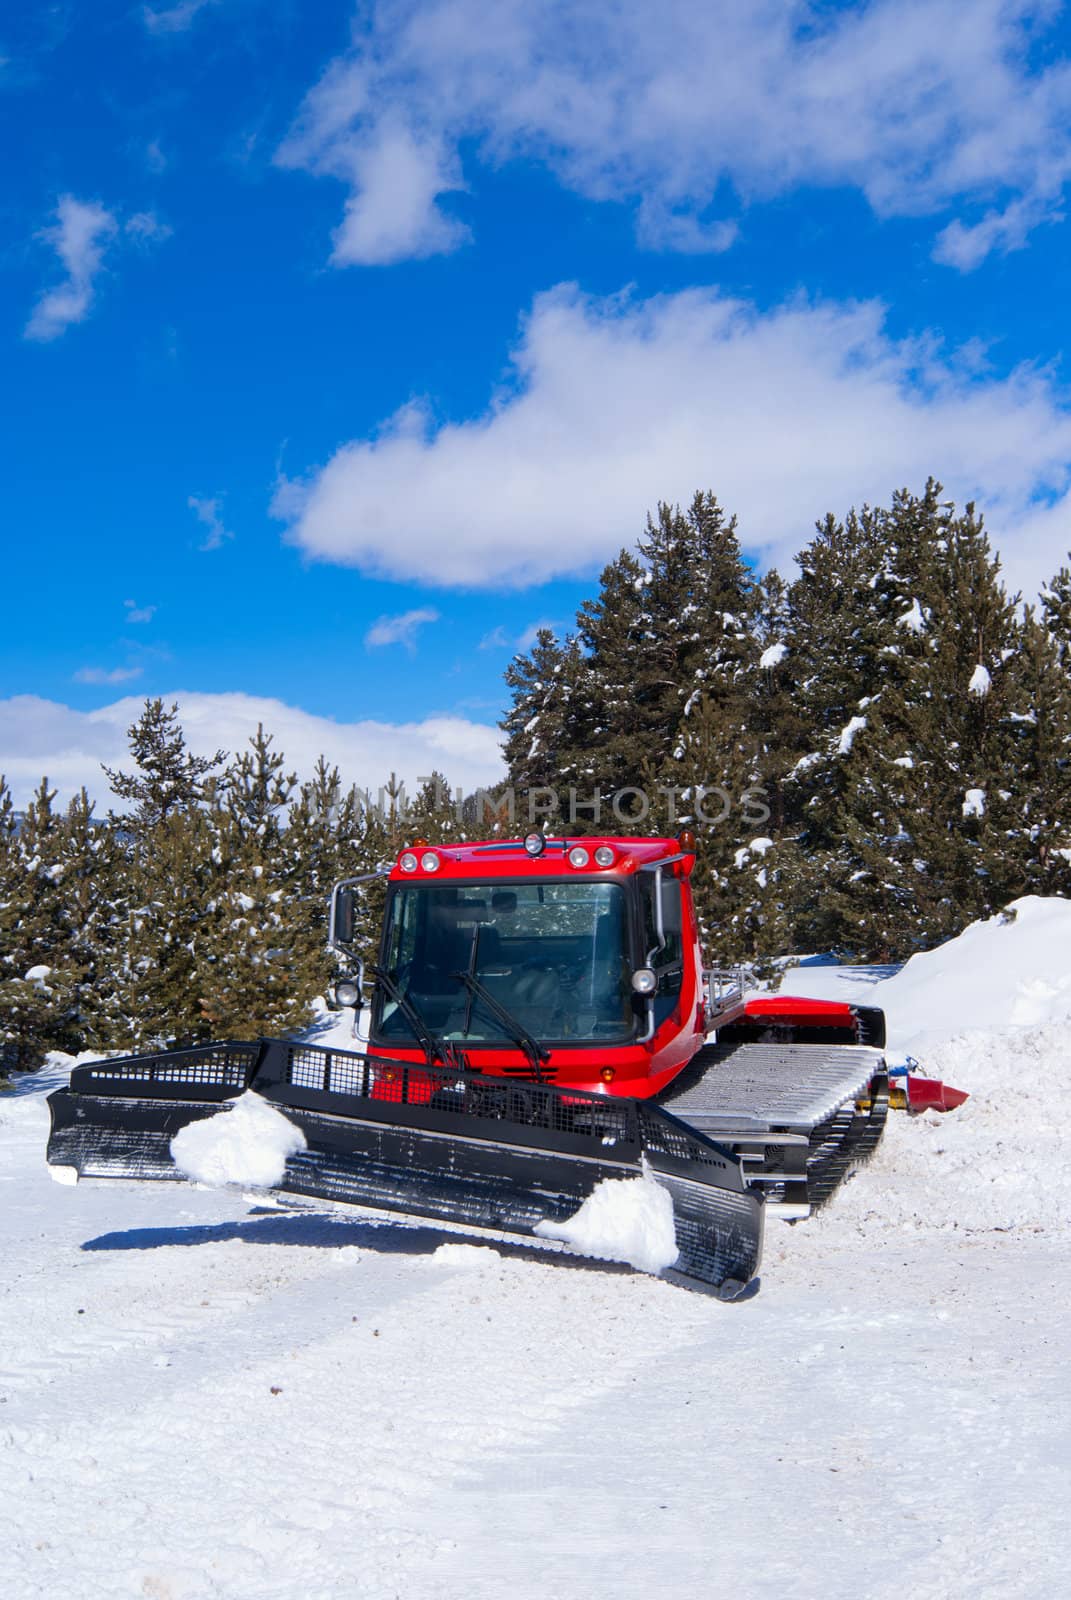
column 204, row 1396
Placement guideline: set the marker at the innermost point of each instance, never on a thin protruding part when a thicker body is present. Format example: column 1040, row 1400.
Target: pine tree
column 1056, row 613
column 248, row 979
column 903, row 815
column 169, row 778
column 167, row 874
column 1038, row 777
column 673, row 630
column 647, row 703
column 858, row 624
column 88, row 860
column 547, row 730
column 37, row 987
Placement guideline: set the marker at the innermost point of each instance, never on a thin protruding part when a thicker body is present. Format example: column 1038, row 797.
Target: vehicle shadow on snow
column 318, row 1231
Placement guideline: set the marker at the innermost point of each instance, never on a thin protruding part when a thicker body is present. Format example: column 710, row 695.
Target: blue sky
column 344, row 344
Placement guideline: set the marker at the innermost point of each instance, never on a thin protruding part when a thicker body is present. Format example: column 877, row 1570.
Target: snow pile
column 989, row 1012
column 1007, row 973
column 988, row 1167
column 980, row 683
column 623, row 1219
column 246, row 1144
column 1010, row 971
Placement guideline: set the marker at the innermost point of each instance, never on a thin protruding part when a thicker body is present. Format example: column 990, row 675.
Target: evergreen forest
column 872, row 755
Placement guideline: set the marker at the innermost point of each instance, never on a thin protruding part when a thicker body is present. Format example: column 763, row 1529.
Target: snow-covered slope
column 1012, row 971
column 202, row 1396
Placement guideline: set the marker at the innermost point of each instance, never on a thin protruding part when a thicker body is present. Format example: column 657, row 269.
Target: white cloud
column 618, row 403
column 500, row 639
column 173, row 19
column 396, row 174
column 393, row 214
column 401, row 629
column 660, row 228
column 208, row 513
column 104, row 675
column 145, row 227
column 136, row 613
column 923, row 105
column 79, row 236
column 40, row 736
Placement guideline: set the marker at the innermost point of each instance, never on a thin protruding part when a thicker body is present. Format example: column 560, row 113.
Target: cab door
column 664, row 940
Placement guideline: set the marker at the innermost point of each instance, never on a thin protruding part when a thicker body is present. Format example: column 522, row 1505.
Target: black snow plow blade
column 427, row 1141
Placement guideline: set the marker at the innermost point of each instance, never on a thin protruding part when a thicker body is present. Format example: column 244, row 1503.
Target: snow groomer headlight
column 644, row 980
column 429, row 861
column 347, row 992
column 407, row 861
column 534, row 844
column 604, row 856
column 578, row 856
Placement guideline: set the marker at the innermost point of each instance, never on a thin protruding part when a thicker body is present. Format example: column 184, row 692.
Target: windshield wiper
column 535, row 1052
column 431, row 1044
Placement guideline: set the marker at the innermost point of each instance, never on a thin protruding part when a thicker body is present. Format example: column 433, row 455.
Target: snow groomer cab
column 569, row 962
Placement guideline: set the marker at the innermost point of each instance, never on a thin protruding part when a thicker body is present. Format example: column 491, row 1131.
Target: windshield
column 555, row 955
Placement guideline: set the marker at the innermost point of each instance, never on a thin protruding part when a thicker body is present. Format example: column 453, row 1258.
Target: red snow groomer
column 539, row 1017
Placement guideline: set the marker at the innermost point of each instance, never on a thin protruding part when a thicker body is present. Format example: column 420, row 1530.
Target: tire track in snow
column 405, row 1401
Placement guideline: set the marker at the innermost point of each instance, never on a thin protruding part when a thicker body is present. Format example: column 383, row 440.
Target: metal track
column 799, row 1116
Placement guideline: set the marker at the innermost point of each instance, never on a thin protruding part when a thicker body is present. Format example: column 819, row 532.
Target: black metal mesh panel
column 332, row 1071
column 466, row 1094
column 662, row 1137
column 218, row 1066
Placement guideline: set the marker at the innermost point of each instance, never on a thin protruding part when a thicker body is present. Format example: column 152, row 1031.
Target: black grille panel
column 221, row 1067
column 548, row 1074
column 452, row 1092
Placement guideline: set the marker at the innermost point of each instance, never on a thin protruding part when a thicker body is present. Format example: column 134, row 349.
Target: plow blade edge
column 427, row 1141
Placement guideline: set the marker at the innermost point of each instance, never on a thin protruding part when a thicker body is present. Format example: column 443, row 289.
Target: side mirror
column 345, row 916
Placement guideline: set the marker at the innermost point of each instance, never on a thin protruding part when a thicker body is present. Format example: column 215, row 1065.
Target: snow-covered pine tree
column 166, row 877
column 834, row 661
column 376, row 827
column 906, row 817
column 88, row 859
column 37, row 977
column 169, row 777
column 950, row 715
column 603, row 738
column 655, row 694
column 669, row 639
column 256, row 972
column 319, row 846
column 1056, row 613
column 546, row 725
column 1038, row 780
